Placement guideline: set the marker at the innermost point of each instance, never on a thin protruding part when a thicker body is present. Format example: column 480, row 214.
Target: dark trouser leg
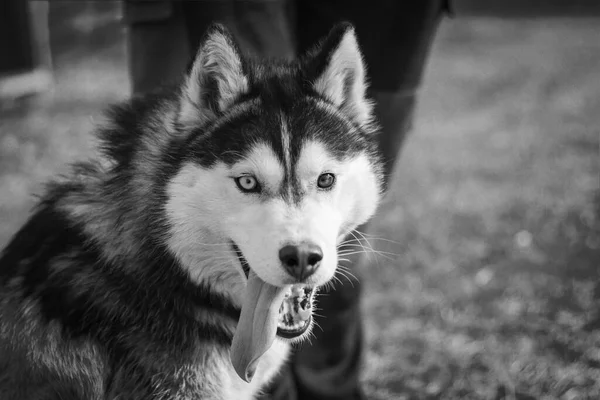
column 261, row 27
column 161, row 47
column 158, row 51
column 395, row 115
column 266, row 28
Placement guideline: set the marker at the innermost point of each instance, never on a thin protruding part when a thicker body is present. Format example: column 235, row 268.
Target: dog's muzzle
column 295, row 313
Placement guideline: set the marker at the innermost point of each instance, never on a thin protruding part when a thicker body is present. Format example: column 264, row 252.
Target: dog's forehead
column 312, row 155
column 297, row 143
column 286, row 129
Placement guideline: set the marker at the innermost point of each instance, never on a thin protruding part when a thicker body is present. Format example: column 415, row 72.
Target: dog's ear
column 337, row 72
column 215, row 80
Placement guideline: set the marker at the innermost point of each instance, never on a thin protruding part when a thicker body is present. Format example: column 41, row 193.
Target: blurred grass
column 40, row 136
column 494, row 290
column 493, row 219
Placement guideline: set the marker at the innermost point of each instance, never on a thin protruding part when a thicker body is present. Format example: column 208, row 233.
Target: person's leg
column 265, row 28
column 395, row 38
column 164, row 36
column 158, row 46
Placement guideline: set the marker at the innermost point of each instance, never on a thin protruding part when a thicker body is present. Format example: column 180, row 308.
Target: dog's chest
column 213, row 376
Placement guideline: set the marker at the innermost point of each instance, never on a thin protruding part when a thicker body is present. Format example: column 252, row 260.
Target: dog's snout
column 301, row 261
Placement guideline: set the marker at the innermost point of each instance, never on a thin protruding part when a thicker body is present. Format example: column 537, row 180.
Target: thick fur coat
column 123, row 283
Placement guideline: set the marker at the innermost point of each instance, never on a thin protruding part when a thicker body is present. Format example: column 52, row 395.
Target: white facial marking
column 206, row 211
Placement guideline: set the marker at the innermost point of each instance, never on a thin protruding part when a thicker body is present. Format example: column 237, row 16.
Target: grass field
column 494, row 292
column 489, row 287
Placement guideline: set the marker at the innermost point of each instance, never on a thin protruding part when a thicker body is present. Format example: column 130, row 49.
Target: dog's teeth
column 304, row 314
column 296, row 309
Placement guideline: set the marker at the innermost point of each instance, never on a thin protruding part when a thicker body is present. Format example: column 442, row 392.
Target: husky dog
column 183, row 262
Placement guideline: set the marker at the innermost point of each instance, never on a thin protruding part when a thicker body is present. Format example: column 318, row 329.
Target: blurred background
column 487, row 283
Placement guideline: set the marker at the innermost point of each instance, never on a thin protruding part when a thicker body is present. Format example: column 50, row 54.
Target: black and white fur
column 123, row 284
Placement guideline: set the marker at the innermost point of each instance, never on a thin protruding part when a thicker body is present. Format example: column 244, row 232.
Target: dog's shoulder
column 48, row 242
column 36, row 362
column 61, row 311
column 49, row 368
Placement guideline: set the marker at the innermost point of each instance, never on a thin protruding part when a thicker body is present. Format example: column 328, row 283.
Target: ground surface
column 493, row 221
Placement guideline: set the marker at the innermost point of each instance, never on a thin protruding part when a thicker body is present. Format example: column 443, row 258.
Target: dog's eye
column 326, row 180
column 247, row 183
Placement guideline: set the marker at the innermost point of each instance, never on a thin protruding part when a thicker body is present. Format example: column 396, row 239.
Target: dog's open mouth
column 295, row 313
column 267, row 312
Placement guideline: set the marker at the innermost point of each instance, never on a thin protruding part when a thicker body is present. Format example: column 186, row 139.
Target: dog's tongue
column 257, row 326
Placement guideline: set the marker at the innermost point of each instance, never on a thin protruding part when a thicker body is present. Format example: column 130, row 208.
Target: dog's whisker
column 338, row 280
column 346, row 270
column 386, row 256
column 348, row 241
column 366, row 247
column 316, row 310
column 327, row 286
column 383, row 254
column 347, row 278
column 347, row 274
column 317, row 325
column 356, row 248
column 352, row 242
column 351, row 253
column 372, row 237
column 350, row 246
column 360, row 243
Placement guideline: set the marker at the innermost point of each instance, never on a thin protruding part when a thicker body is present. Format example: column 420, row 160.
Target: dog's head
column 280, row 165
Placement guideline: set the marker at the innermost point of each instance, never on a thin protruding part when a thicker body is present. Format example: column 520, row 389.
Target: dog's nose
column 301, row 261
